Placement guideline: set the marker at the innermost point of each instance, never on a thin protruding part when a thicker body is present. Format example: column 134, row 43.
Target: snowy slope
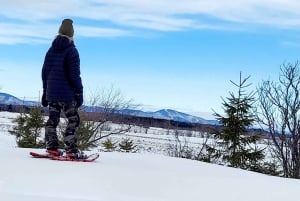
column 131, row 177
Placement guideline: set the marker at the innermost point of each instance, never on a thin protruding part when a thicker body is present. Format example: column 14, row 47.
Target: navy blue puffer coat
column 61, row 71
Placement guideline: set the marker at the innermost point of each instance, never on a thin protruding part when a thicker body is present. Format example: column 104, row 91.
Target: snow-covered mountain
column 7, row 99
column 171, row 115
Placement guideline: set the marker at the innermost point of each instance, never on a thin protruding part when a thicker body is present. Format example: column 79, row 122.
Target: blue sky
column 160, row 53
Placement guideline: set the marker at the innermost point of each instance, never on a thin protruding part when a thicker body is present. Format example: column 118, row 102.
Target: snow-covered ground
column 130, row 177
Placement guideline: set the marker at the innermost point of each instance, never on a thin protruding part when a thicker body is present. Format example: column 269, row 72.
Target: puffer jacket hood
column 61, row 43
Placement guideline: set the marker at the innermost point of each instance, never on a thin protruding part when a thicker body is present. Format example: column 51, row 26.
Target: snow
column 130, row 177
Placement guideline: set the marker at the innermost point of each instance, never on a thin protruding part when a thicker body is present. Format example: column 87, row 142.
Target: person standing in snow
column 62, row 89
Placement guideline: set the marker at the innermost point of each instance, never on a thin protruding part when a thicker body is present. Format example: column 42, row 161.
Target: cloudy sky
column 160, row 53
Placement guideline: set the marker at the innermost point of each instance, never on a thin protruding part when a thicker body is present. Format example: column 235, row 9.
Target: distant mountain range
column 7, row 99
column 170, row 115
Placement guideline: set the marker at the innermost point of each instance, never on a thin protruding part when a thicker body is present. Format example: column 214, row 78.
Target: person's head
column 66, row 28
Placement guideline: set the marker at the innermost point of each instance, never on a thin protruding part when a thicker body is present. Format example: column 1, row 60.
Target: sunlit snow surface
column 129, row 177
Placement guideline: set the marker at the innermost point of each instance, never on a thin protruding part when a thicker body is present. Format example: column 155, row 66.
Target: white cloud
column 38, row 20
column 254, row 11
column 269, row 12
column 87, row 31
column 37, row 33
column 12, row 33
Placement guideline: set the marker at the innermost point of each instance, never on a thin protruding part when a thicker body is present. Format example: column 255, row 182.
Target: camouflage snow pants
column 70, row 134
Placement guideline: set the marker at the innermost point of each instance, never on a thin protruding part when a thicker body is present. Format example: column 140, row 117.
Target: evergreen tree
column 237, row 146
column 109, row 145
column 28, row 129
column 127, row 145
column 85, row 134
